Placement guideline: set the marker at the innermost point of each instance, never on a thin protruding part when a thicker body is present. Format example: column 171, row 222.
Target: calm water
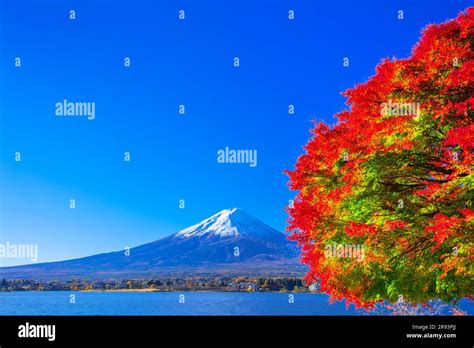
column 159, row 303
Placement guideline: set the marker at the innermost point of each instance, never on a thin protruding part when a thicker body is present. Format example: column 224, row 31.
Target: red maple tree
column 394, row 176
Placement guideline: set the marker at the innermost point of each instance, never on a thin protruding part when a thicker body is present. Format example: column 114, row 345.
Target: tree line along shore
column 241, row 283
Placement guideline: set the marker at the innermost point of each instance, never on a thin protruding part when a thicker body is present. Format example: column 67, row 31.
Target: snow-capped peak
column 229, row 223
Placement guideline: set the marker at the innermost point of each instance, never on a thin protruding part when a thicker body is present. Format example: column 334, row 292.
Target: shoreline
column 165, row 291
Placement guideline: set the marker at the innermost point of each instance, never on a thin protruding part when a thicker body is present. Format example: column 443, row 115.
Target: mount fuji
column 231, row 242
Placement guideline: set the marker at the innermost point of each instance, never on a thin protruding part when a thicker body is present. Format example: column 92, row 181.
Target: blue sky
column 173, row 62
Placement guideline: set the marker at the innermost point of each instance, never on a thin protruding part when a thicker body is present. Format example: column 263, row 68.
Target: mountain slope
column 229, row 242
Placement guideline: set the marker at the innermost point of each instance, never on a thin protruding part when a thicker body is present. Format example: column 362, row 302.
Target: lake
column 172, row 303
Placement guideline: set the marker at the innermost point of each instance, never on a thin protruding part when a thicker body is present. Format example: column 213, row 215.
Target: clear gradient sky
column 174, row 62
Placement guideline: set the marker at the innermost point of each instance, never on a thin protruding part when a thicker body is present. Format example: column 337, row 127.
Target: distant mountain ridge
column 231, row 242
